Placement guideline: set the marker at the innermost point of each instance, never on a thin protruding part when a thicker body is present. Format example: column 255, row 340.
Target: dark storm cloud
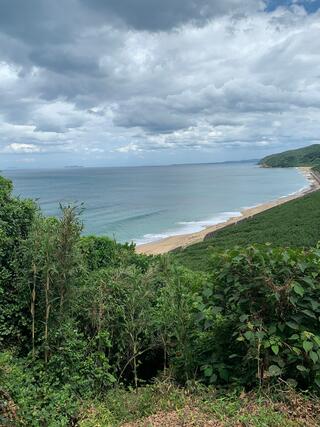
column 155, row 15
column 37, row 21
column 153, row 115
column 64, row 60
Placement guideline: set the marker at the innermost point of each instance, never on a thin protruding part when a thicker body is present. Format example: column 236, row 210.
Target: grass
column 164, row 404
column 296, row 224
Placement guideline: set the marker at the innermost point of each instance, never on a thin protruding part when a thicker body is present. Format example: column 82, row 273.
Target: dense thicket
column 16, row 220
column 81, row 315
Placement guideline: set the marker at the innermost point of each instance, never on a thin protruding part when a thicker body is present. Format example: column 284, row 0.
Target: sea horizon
column 143, row 204
column 255, row 161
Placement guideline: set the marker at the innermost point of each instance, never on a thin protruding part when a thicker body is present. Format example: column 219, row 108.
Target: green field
column 296, row 223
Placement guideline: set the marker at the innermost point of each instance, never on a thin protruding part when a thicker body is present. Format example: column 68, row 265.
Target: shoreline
column 171, row 243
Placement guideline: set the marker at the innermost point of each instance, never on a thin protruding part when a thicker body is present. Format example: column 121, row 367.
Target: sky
column 148, row 82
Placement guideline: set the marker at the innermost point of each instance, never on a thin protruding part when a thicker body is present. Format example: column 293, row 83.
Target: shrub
column 260, row 317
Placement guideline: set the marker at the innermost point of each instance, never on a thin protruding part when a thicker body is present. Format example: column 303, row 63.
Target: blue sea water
column 144, row 204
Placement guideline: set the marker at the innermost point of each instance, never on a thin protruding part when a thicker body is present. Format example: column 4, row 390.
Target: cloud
column 153, row 15
column 169, row 77
column 21, row 148
column 129, row 147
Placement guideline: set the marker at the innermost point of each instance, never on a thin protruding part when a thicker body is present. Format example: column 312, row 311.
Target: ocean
column 144, row 204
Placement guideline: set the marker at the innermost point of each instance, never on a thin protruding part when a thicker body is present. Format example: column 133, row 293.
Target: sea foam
column 188, row 227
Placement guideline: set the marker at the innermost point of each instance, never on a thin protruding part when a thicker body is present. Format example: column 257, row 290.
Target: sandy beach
column 181, row 241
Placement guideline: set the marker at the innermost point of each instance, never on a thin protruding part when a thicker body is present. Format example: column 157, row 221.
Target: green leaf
column 260, row 335
column 298, row 289
column 313, row 356
column 274, row 371
column 296, row 350
column 216, row 309
column 243, row 318
column 249, row 335
column 302, row 266
column 224, row 374
column 301, row 368
column 232, row 356
column 272, row 329
column 314, row 304
column 294, row 337
column 286, row 257
column 207, row 292
column 292, row 325
column 208, row 371
column 309, row 281
column 309, row 313
column 275, row 349
column 307, row 346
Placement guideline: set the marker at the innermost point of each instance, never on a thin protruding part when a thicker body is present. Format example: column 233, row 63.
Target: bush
column 260, row 317
column 103, row 252
column 36, row 402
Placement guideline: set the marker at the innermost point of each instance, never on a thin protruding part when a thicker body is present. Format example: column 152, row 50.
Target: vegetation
column 93, row 334
column 165, row 404
column 293, row 224
column 306, row 156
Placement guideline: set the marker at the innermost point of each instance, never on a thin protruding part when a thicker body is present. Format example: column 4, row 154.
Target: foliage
column 176, row 322
column 267, row 303
column 306, row 156
column 16, row 219
column 40, row 402
column 117, row 303
column 293, row 224
column 82, row 317
column 102, row 252
column 53, row 266
column 163, row 403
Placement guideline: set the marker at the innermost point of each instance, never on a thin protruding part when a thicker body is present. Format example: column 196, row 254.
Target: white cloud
column 128, row 148
column 21, row 148
column 250, row 81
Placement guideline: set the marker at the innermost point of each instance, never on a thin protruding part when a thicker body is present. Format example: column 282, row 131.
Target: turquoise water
column 144, row 204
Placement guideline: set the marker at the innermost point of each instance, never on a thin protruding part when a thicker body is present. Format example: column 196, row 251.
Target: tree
column 16, row 218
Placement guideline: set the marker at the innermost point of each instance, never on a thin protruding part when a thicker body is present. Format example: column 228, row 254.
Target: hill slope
column 296, row 223
column 307, row 156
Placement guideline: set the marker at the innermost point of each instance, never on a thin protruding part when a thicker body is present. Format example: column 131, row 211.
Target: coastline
column 183, row 240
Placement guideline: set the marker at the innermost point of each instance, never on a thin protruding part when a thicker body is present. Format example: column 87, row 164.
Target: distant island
column 307, row 156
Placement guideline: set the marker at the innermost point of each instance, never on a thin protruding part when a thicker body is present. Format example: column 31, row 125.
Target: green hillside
column 307, row 156
column 296, row 223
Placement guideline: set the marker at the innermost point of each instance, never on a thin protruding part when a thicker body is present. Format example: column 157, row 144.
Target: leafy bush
column 16, row 219
column 176, row 322
column 103, row 252
column 37, row 401
column 266, row 302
